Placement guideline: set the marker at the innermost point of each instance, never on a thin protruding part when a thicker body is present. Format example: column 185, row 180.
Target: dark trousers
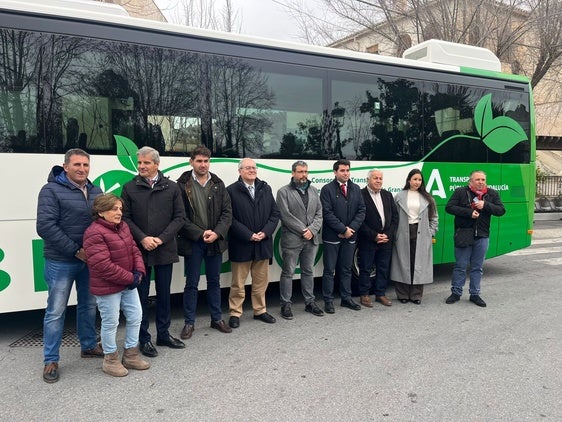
column 162, row 281
column 368, row 259
column 340, row 256
column 193, row 273
column 410, row 291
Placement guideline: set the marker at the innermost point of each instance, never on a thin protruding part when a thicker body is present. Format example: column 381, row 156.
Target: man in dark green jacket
column 203, row 237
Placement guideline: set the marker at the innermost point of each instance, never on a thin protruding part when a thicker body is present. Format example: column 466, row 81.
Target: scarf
column 479, row 194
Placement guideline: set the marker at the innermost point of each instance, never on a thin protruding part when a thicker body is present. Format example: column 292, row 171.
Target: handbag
column 464, row 237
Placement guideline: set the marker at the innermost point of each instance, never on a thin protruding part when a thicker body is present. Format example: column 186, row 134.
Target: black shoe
column 477, row 300
column 329, row 308
column 403, row 300
column 416, row 301
column 265, row 317
column 453, row 298
column 314, row 309
column 51, row 372
column 234, row 322
column 171, row 342
column 148, row 349
column 349, row 303
column 286, row 311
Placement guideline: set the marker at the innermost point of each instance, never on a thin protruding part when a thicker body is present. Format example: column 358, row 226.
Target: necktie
column 344, row 190
column 151, row 182
column 251, row 189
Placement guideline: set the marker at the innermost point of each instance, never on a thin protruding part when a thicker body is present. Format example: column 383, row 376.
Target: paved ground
column 433, row 362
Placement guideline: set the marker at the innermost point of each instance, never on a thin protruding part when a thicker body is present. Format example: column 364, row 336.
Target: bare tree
column 207, row 14
column 547, row 52
column 512, row 29
column 16, row 48
column 241, row 99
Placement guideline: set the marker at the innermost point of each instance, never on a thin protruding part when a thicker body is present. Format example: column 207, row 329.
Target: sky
column 264, row 18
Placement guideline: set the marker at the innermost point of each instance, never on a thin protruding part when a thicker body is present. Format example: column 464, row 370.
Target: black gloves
column 137, row 277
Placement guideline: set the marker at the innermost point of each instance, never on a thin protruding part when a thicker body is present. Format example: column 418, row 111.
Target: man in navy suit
column 343, row 211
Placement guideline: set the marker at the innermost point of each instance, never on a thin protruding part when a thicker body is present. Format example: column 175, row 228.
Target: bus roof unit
column 444, row 52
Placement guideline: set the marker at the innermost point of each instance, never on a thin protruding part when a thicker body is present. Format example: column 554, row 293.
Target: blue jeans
column 369, row 259
column 109, row 305
column 306, row 253
column 162, row 281
column 472, row 257
column 193, row 271
column 60, row 275
column 340, row 254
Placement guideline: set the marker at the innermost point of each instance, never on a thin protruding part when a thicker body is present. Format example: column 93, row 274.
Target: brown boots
column 131, row 359
column 112, row 365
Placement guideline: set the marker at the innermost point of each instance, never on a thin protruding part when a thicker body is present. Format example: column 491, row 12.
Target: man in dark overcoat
column 153, row 209
column 250, row 242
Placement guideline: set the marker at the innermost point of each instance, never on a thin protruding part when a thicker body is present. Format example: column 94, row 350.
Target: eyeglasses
column 249, row 168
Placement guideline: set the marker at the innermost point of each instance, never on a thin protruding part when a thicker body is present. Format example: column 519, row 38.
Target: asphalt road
column 432, row 362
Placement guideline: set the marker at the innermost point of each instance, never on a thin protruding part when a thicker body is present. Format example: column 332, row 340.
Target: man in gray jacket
column 301, row 220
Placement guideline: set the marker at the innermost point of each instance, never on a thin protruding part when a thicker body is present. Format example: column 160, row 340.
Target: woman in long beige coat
column 412, row 255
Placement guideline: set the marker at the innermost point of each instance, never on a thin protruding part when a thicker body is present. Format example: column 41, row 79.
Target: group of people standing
column 392, row 236
column 113, row 246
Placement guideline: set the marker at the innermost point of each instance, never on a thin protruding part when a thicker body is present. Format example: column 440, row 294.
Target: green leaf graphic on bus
column 500, row 134
column 114, row 180
column 126, row 152
column 4, row 276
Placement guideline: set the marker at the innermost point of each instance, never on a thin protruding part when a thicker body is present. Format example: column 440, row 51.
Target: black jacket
column 373, row 222
column 460, row 206
column 219, row 214
column 250, row 216
column 156, row 211
column 339, row 212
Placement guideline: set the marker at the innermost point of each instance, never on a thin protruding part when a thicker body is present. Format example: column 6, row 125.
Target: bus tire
column 355, row 277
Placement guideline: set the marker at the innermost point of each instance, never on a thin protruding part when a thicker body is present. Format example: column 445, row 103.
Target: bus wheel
column 355, row 277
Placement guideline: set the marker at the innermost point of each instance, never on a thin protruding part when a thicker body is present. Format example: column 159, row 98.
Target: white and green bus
column 80, row 74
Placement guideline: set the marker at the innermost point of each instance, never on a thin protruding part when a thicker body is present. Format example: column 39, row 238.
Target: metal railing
column 549, row 186
column 549, row 194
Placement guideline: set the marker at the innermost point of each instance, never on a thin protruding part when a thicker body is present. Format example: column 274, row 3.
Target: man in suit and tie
column 250, row 243
column 301, row 221
column 374, row 243
column 343, row 212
